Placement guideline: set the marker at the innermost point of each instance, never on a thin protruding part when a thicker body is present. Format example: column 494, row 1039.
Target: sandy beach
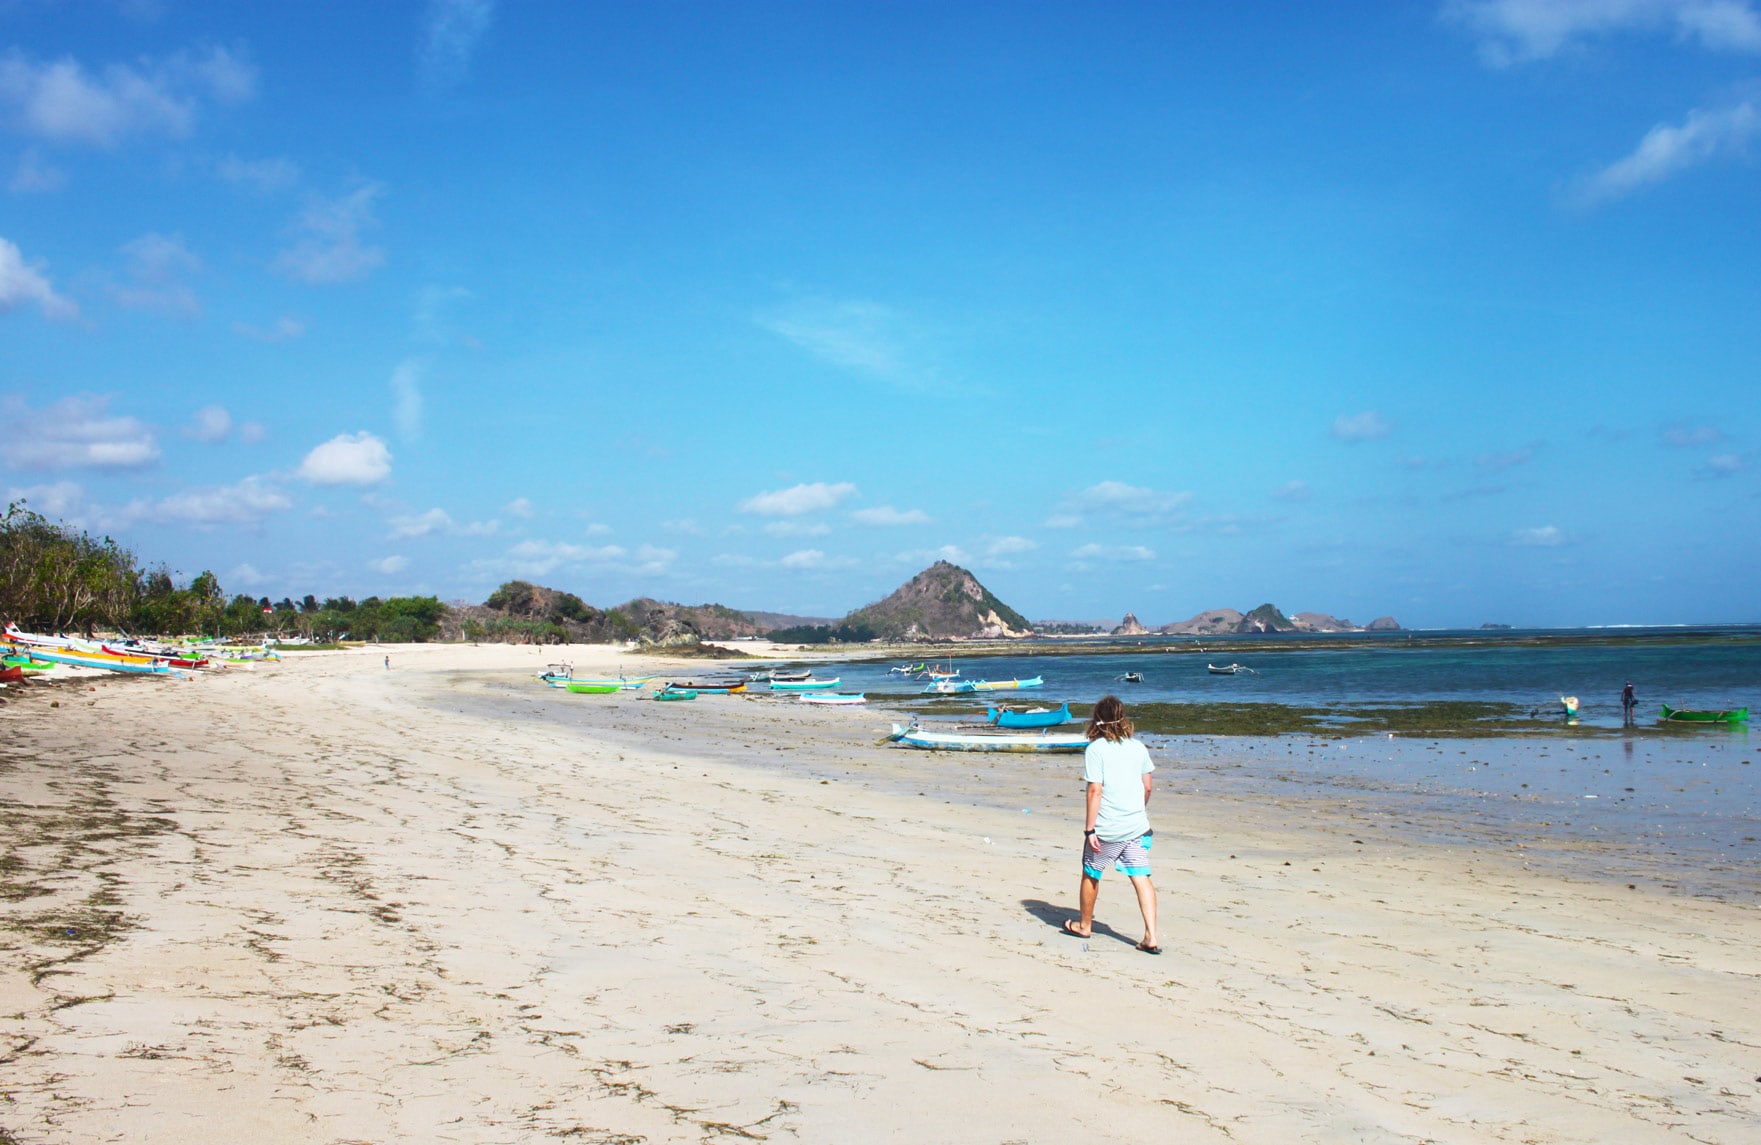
column 327, row 902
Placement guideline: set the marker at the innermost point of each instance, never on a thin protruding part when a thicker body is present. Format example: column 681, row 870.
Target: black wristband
column 1086, row 833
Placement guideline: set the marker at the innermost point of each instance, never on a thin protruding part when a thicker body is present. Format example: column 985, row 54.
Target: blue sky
column 1439, row 310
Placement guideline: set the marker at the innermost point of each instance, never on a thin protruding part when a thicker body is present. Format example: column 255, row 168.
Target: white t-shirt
column 1119, row 768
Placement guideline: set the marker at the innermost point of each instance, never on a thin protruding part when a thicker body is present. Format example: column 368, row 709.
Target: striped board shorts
column 1132, row 856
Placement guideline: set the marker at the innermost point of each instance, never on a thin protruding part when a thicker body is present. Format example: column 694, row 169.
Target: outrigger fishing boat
column 785, row 675
column 1032, row 718
column 949, row 687
column 1229, row 669
column 906, row 670
column 833, row 698
column 914, row 735
column 1130, row 678
column 1007, row 685
column 591, row 688
column 674, row 694
column 1692, row 716
column 713, row 685
column 805, row 684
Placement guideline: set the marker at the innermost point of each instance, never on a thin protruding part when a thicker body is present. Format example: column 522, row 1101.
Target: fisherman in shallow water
column 1628, row 701
column 1116, row 829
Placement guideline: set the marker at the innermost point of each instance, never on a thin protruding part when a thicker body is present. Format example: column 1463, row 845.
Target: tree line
column 56, row 578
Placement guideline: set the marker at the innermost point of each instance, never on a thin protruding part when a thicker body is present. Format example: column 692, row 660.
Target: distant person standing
column 388, row 662
column 1116, row 829
column 1628, row 701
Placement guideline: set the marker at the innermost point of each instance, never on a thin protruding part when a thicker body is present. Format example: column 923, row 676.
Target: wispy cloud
column 248, row 502
column 1517, row 31
column 1722, row 465
column 406, row 398
column 327, row 246
column 157, row 265
column 75, row 433
column 519, row 507
column 1506, row 459
column 1292, row 491
column 283, row 329
column 1116, row 553
column 1541, row 537
column 210, row 424
column 1115, row 499
column 798, row 499
column 389, row 566
column 536, row 558
column 1669, row 149
column 796, row 528
column 1366, row 426
column 451, row 30
column 887, row 515
column 953, row 554
column 272, row 173
column 59, row 100
column 34, row 176
column 24, row 283
column 348, row 459
column 862, row 337
column 1685, row 436
column 410, row 525
column 811, row 559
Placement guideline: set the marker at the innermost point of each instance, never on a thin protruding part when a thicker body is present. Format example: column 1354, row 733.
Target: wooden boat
column 806, row 684
column 914, row 735
column 1131, row 678
column 1691, row 716
column 788, row 675
column 1227, row 669
column 1033, row 718
column 833, row 698
column 590, row 688
column 1006, row 685
column 906, row 670
column 711, row 686
column 107, row 663
column 170, row 656
column 675, row 694
column 12, row 675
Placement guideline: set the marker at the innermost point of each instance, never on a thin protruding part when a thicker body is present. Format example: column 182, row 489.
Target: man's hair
column 1109, row 722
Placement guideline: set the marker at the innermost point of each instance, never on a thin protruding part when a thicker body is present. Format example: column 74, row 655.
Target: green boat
column 1689, row 716
column 594, row 689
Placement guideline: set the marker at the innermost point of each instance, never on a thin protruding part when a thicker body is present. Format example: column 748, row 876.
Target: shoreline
column 347, row 909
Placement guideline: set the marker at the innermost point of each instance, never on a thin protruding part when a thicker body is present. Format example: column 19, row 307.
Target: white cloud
column 518, row 507
column 35, row 177
column 246, row 575
column 953, row 554
column 798, row 499
column 1515, row 31
column 1009, row 546
column 1116, row 499
column 1723, row 465
column 450, row 32
column 1668, row 149
column 540, row 558
column 156, row 266
column 438, row 521
column 261, row 175
column 22, row 282
column 812, row 559
column 887, row 515
column 1292, row 491
column 1684, row 436
column 210, row 423
column 863, row 337
column 327, row 246
column 284, row 329
column 348, row 459
column 1544, row 537
column 61, row 499
column 246, row 503
column 389, row 566
column 654, row 559
column 59, row 100
column 796, row 529
column 1366, row 426
column 685, row 526
column 1093, row 552
column 75, row 433
column 406, row 391
column 251, row 433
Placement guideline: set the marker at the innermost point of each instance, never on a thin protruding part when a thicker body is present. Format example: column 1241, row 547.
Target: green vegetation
column 56, row 578
column 824, row 634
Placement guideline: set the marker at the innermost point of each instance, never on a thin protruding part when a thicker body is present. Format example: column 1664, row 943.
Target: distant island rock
column 1495, row 626
column 1212, row 622
column 1383, row 624
column 1268, row 618
column 1130, row 626
column 943, row 602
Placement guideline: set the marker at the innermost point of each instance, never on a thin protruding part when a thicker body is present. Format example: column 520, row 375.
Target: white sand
column 361, row 906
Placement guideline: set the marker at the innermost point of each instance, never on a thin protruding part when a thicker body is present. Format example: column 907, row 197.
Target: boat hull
column 1690, row 716
column 804, row 685
column 832, row 699
column 961, row 741
column 1004, row 718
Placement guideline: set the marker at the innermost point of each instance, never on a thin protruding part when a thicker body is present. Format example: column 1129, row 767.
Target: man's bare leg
column 1085, row 896
column 1146, row 902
